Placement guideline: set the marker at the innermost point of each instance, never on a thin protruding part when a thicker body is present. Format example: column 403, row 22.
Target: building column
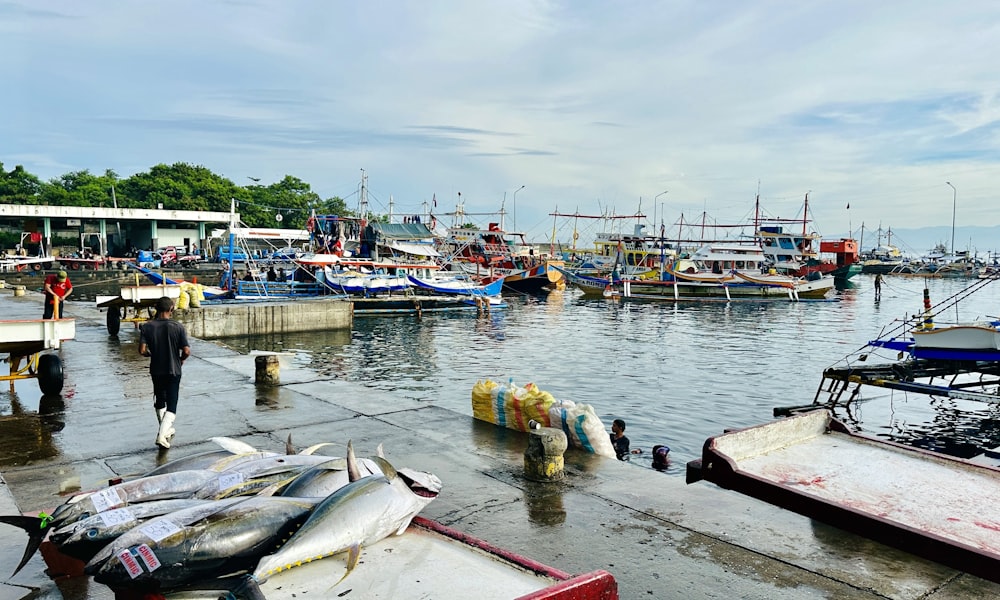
column 154, row 235
column 202, row 240
column 103, row 237
column 46, row 244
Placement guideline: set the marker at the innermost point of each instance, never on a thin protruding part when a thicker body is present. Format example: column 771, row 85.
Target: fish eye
column 92, row 532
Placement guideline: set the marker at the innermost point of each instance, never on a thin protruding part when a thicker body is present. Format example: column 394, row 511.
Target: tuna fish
column 203, row 460
column 176, row 550
column 85, row 538
column 181, row 484
column 359, row 514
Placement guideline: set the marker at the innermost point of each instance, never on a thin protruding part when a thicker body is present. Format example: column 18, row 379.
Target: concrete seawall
column 210, row 322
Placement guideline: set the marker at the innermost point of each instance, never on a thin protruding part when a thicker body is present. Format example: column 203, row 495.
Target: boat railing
column 278, row 288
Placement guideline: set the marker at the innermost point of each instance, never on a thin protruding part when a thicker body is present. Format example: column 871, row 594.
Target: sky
column 669, row 109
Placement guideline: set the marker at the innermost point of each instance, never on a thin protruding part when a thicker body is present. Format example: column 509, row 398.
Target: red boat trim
column 523, row 561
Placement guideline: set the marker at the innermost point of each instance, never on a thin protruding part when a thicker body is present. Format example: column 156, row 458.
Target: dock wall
column 209, row 322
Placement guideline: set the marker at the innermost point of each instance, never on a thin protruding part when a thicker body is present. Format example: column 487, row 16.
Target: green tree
column 19, row 187
column 80, row 188
column 179, row 187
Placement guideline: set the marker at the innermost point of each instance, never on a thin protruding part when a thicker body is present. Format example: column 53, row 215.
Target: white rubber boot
column 159, row 413
column 166, row 432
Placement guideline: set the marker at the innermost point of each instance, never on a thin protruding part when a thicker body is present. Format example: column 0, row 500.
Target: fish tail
column 248, row 589
column 36, row 527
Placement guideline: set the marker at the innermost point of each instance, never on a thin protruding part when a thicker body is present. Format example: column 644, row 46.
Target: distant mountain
column 916, row 242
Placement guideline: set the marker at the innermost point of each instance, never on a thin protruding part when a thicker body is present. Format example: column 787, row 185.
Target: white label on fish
column 159, row 529
column 130, row 563
column 149, row 557
column 117, row 516
column 106, row 499
column 229, row 480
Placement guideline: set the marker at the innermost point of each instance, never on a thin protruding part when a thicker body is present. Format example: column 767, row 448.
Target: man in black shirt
column 165, row 342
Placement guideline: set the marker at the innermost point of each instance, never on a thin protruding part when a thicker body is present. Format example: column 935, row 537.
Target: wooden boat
column 457, row 286
column 423, row 563
column 971, row 336
column 727, row 270
column 937, row 507
column 590, row 285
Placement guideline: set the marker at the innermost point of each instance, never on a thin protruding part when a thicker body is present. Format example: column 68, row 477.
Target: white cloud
column 588, row 104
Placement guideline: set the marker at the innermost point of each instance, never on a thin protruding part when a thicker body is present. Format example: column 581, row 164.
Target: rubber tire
column 36, row 266
column 50, row 374
column 114, row 320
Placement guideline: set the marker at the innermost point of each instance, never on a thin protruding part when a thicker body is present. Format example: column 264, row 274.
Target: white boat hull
column 982, row 336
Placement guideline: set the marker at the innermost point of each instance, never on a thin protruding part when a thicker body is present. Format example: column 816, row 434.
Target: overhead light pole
column 954, row 203
column 654, row 206
column 513, row 209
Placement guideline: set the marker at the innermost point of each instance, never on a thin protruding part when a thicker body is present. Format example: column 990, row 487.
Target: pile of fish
column 232, row 513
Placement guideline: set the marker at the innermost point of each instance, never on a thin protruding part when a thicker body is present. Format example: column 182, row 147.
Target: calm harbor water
column 677, row 373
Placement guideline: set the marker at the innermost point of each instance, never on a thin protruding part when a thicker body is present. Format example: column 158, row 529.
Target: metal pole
column 513, row 210
column 654, row 206
column 954, row 203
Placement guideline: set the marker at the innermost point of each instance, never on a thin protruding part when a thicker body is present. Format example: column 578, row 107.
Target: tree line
column 179, row 186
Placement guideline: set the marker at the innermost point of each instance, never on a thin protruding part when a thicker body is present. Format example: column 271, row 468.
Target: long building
column 113, row 230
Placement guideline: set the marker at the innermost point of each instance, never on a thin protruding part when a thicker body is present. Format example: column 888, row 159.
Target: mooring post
column 543, row 458
column 267, row 369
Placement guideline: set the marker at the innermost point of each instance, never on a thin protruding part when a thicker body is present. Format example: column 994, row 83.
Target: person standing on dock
column 57, row 287
column 165, row 342
column 878, row 287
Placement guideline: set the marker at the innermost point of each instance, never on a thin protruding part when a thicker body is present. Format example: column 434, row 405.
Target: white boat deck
column 418, row 564
column 947, row 498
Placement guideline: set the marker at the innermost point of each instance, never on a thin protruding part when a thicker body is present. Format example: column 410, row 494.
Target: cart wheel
column 75, row 266
column 114, row 320
column 50, row 374
column 36, row 266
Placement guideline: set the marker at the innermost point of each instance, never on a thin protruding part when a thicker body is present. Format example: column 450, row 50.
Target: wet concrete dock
column 659, row 537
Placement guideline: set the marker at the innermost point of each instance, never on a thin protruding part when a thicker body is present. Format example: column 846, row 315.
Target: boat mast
column 552, row 241
column 805, row 214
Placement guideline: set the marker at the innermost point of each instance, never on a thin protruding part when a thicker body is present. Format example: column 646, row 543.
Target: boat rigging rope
column 912, row 321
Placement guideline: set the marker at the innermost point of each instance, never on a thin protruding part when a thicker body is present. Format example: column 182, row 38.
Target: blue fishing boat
column 458, row 286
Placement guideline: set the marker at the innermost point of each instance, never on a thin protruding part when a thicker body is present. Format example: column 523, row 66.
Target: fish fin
column 402, row 528
column 232, row 446
column 312, row 449
column 289, row 448
column 387, row 469
column 247, row 588
column 36, row 527
column 379, row 451
column 353, row 473
column 353, row 556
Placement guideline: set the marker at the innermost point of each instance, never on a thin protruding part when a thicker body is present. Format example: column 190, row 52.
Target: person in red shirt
column 57, row 287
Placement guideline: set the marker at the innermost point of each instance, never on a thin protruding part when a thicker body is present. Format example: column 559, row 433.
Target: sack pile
column 514, row 407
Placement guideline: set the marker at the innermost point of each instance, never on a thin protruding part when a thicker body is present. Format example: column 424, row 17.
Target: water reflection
column 678, row 373
column 26, row 436
column 544, row 501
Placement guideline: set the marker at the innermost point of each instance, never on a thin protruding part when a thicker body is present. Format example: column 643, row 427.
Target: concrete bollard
column 18, row 290
column 543, row 458
column 267, row 370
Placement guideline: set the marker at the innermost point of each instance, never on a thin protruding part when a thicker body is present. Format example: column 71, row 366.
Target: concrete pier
column 261, row 318
column 659, row 537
